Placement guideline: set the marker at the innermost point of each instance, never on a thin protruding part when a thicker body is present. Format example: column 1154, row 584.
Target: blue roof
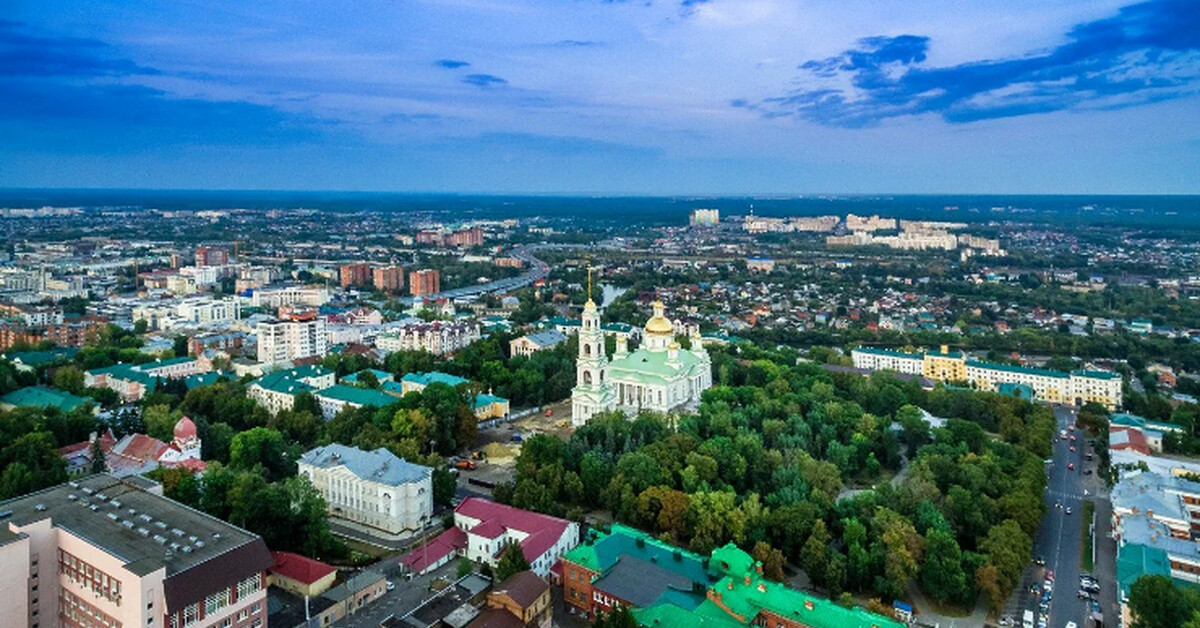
column 380, row 466
column 547, row 338
column 487, row 400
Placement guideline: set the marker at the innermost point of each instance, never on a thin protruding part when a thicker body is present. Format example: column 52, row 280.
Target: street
column 407, row 595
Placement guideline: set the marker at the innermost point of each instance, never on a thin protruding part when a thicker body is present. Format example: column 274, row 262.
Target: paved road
column 537, row 270
column 407, row 595
column 1059, row 537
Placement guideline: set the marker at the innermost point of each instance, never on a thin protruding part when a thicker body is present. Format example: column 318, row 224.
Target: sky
column 653, row 97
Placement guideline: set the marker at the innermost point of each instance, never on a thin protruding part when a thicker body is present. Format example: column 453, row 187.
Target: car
column 466, row 465
column 1072, row 448
column 1071, row 427
column 1070, row 466
column 1039, row 561
column 517, row 438
column 550, row 412
column 1072, row 438
column 1068, row 510
column 1071, row 624
column 391, row 585
column 1088, row 472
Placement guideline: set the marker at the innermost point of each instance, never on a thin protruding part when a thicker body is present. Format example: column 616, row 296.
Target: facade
column 104, row 552
column 659, row 376
column 211, row 256
column 388, row 278
column 436, row 337
column 270, row 298
column 523, row 597
column 532, row 343
column 293, row 338
column 424, row 282
column 277, row 391
column 483, row 529
column 375, row 489
column 355, row 275
column 133, row 381
column 1076, row 387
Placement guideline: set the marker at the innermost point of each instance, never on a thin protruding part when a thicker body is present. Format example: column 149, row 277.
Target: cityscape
column 528, row 314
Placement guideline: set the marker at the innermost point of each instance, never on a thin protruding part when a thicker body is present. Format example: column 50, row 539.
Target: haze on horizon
column 633, row 97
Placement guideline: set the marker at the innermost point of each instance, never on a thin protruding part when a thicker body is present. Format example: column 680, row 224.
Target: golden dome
column 659, row 324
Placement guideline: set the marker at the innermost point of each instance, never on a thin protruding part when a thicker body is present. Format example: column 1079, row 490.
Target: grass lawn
column 1089, row 512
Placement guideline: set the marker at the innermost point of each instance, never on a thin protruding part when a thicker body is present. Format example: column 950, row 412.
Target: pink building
column 103, row 552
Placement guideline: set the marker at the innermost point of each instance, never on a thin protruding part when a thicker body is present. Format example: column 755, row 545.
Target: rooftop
column 43, row 397
column 357, row 396
column 380, row 466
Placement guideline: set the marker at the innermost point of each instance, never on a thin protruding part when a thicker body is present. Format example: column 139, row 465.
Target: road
column 537, row 270
column 407, row 595
column 1059, row 537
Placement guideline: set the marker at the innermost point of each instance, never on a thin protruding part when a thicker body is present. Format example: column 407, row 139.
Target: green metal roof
column 487, row 400
column 43, row 397
column 379, row 375
column 38, row 358
column 652, row 367
column 1026, row 370
column 1096, row 374
column 890, row 352
column 425, row 379
column 357, row 396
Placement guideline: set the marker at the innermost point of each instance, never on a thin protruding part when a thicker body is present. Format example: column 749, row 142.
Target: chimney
column 747, row 579
column 945, row 349
column 758, row 566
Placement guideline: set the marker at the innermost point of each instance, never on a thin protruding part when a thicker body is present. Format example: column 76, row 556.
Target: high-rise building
column 423, row 282
column 104, row 552
column 291, row 338
column 355, row 274
column 705, row 217
column 389, row 278
column 211, row 256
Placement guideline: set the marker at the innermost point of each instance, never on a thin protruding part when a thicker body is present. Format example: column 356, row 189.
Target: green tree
column 813, row 554
column 69, row 378
column 261, row 446
column 98, row 463
column 1157, row 603
column 512, row 560
column 942, row 575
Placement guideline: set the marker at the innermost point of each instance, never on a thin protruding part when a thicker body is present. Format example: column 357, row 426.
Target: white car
column 1070, row 624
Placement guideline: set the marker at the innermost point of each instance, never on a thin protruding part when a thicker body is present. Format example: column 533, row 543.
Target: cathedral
column 658, row 376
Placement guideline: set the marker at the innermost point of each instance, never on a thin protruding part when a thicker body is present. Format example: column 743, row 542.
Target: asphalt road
column 407, row 595
column 1059, row 537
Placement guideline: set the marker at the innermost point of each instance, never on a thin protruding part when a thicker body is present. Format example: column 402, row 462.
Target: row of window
column 82, row 614
column 85, row 574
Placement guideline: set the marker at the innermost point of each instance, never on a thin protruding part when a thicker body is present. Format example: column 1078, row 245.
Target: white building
column 437, row 337
column 376, row 489
column 282, row 340
column 314, row 296
column 659, row 376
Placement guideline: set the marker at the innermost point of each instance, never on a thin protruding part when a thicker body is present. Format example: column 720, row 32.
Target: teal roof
column 291, row 381
column 1026, row 370
column 425, row 379
column 1096, row 374
column 1020, row 391
column 168, row 362
column 487, row 400
column 1135, row 561
column 197, row 380
column 43, row 397
column 127, row 372
column 1133, row 420
column 38, row 358
column 357, row 396
column 599, row 551
column 890, row 352
column 570, row 322
column 379, row 375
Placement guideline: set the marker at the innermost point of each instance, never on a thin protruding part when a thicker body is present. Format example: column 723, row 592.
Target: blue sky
column 596, row 96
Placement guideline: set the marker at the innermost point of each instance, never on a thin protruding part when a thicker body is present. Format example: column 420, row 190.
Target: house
column 483, row 529
column 529, row 344
column 43, row 397
column 375, row 489
column 301, row 575
column 521, row 601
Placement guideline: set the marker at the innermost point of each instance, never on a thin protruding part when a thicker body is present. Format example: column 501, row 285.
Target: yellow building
column 944, row 366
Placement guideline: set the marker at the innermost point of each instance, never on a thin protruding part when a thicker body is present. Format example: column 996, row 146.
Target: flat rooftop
column 146, row 531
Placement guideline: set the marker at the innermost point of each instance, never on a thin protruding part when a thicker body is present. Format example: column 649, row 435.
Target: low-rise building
column 277, row 390
column 339, row 396
column 300, row 574
column 133, row 381
column 539, row 341
column 375, row 489
column 522, row 600
column 43, row 397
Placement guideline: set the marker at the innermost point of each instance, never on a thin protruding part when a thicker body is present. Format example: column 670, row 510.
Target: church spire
column 589, row 271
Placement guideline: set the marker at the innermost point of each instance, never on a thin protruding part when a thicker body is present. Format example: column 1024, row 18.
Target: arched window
column 587, row 378
column 587, row 350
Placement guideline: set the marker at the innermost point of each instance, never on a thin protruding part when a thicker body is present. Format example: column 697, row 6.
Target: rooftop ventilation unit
column 160, row 539
column 112, row 516
column 40, row 507
column 143, row 531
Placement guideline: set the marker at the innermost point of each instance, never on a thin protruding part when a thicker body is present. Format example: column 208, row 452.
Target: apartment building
column 1077, row 387
column 297, row 336
column 424, row 282
column 277, row 391
column 704, row 217
column 388, row 278
column 115, row 553
column 211, row 256
column 376, row 489
column 355, row 275
column 133, row 381
column 436, row 337
column 338, row 397
column 272, row 298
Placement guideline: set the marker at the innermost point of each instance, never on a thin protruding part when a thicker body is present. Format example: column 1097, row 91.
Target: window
column 191, row 614
column 215, row 602
column 249, row 585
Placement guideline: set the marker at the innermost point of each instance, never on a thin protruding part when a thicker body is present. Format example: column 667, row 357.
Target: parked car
column 466, row 465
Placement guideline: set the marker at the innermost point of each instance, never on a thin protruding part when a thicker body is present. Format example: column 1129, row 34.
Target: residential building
column 760, row 264
column 1076, row 387
column 424, row 282
column 133, row 381
column 43, row 397
column 211, row 256
column 436, row 337
column 355, row 274
column 483, row 529
column 388, row 278
column 293, row 338
column 375, row 489
column 117, row 553
column 271, row 298
column 522, row 600
column 532, row 343
column 704, row 217
column 659, row 376
column 277, row 390
column 416, row 382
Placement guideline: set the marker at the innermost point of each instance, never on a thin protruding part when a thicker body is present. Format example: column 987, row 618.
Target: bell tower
column 592, row 393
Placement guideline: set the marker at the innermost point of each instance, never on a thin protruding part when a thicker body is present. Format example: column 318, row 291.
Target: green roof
column 43, row 397
column 599, row 551
column 379, row 375
column 487, row 400
column 38, row 358
column 1135, row 561
column 1096, row 374
column 357, row 396
column 652, row 367
column 669, row 615
column 127, row 372
column 1016, row 369
column 425, row 379
column 196, row 380
column 890, row 352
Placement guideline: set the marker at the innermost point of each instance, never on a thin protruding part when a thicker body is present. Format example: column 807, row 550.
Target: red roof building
column 301, row 575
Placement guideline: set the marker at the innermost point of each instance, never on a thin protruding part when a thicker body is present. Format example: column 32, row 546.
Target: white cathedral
column 659, row 376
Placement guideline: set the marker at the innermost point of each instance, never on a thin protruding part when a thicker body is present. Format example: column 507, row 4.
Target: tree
column 261, row 446
column 619, row 617
column 98, row 463
column 942, row 574
column 464, row 568
column 772, row 561
column 69, row 378
column 180, row 346
column 814, row 553
column 1157, row 603
column 367, row 379
column 512, row 560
